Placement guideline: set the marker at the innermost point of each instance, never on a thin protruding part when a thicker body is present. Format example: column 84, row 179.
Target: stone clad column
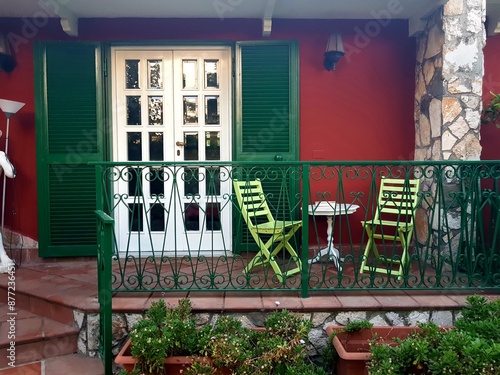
column 449, row 78
column 449, row 75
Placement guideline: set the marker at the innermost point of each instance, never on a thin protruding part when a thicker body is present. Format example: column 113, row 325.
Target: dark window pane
column 133, row 177
column 212, row 145
column 213, row 216
column 191, row 147
column 132, row 74
column 213, row 181
column 191, row 216
column 133, row 110
column 134, row 146
column 211, row 110
column 191, row 182
column 157, row 217
column 135, row 217
column 156, row 184
column 156, row 146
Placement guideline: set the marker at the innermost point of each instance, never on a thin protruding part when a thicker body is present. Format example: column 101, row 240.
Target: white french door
column 172, row 105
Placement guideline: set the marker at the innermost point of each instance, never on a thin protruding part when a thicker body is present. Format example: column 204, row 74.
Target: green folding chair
column 391, row 227
column 261, row 223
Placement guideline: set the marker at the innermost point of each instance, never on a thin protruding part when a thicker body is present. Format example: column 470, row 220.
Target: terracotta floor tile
column 207, row 301
column 281, row 301
column 24, row 353
column 435, row 302
column 70, row 295
column 62, row 314
column 395, row 300
column 358, row 301
column 133, row 302
column 74, row 365
column 170, row 298
column 31, row 369
column 23, row 301
column 25, row 329
column 322, row 302
column 52, row 328
column 239, row 301
column 40, row 306
column 59, row 346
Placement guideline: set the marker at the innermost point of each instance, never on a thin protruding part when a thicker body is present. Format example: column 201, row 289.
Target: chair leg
column 366, row 253
column 405, row 237
column 286, row 244
column 264, row 256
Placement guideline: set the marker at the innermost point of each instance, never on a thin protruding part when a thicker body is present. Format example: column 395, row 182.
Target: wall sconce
column 334, row 51
column 7, row 60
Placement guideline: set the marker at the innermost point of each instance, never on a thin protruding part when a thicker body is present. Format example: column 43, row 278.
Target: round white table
column 330, row 209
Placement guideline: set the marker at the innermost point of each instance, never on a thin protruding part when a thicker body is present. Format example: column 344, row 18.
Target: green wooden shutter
column 70, row 133
column 267, row 119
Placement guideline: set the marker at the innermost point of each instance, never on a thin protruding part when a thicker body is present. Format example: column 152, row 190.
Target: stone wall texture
column 449, row 76
column 88, row 342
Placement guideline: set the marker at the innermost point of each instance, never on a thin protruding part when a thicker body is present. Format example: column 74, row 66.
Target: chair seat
column 272, row 226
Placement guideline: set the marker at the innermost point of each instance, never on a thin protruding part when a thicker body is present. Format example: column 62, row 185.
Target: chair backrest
column 397, row 201
column 252, row 202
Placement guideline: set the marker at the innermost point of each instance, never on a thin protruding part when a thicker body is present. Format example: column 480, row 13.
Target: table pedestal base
column 334, row 255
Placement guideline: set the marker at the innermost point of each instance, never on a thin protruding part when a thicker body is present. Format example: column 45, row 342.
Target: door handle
column 180, row 144
column 278, row 157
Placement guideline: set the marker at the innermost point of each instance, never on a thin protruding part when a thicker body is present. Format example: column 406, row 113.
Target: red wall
column 490, row 135
column 361, row 111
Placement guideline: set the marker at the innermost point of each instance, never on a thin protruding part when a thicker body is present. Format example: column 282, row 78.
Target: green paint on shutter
column 267, row 121
column 70, row 133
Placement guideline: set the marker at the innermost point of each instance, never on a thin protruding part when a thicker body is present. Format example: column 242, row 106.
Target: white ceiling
column 71, row 10
column 321, row 9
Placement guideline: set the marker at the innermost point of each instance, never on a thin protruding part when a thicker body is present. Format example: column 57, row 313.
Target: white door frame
column 175, row 237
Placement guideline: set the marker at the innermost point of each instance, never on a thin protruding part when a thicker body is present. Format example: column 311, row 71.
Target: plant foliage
column 472, row 347
column 491, row 112
column 276, row 349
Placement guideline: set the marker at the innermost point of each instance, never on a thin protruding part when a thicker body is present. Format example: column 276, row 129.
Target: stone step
column 49, row 295
column 74, row 364
column 37, row 337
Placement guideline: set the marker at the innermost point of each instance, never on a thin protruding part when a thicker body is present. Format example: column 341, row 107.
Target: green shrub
column 472, row 347
column 277, row 349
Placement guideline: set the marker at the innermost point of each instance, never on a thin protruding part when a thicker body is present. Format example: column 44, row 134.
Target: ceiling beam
column 267, row 19
column 492, row 19
column 69, row 21
column 416, row 24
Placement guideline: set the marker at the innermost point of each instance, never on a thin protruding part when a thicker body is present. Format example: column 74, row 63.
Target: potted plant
column 472, row 347
column 491, row 112
column 167, row 341
column 348, row 350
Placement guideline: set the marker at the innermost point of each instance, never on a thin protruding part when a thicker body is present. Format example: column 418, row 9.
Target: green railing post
column 305, row 232
column 105, row 294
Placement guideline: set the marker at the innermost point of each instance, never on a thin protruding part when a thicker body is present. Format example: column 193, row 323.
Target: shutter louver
column 265, row 90
column 69, row 135
column 267, row 123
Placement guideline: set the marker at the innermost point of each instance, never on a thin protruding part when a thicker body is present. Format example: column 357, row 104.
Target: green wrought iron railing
column 178, row 227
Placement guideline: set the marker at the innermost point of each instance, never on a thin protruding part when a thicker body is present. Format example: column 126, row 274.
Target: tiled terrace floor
column 73, row 284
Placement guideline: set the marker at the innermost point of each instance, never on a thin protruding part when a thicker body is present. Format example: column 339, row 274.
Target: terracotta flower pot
column 172, row 365
column 353, row 348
